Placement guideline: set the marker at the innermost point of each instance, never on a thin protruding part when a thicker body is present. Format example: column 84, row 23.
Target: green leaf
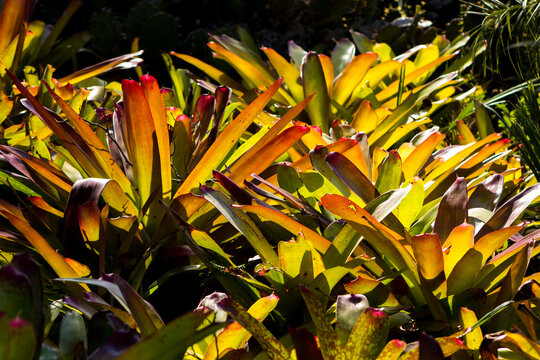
column 342, row 246
column 392, row 350
column 483, row 121
column 297, row 54
column 172, row 341
column 390, row 174
column 243, row 223
column 317, row 157
column 331, row 347
column 362, row 42
column 314, row 82
column 272, row 347
column 342, row 55
column 72, row 333
column 409, row 207
column 22, row 340
column 368, row 336
column 235, row 336
column 514, row 277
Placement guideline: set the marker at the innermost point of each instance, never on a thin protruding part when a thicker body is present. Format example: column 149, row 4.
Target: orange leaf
column 226, row 140
column 270, row 152
column 152, row 94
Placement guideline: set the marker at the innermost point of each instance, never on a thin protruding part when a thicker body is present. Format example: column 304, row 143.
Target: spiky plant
column 511, row 31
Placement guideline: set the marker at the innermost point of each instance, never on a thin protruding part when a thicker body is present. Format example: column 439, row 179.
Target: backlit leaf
column 351, row 76
column 235, row 336
column 225, row 142
column 172, row 341
column 314, row 82
column 273, row 348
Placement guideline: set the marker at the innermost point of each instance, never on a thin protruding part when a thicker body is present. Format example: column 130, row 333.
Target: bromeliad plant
column 345, row 86
column 130, row 164
column 431, row 239
column 293, row 214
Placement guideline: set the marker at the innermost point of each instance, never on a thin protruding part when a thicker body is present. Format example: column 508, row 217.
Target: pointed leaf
column 331, row 348
column 289, row 72
column 417, row 159
column 173, row 340
column 273, row 348
column 214, row 73
column 428, row 253
column 235, row 336
column 410, row 206
column 452, row 209
column 314, row 82
column 351, row 76
column 141, row 144
column 514, row 277
column 263, row 158
column 351, row 176
column 510, row 210
column 225, row 141
column 342, row 55
column 368, row 336
column 485, row 127
column 460, row 240
column 392, row 350
column 473, row 339
column 390, row 173
column 121, row 62
column 365, row 119
column 152, row 94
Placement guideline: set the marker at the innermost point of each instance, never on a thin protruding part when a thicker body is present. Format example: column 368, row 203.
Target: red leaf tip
column 376, row 313
column 18, row 322
column 399, row 343
column 147, row 78
column 317, row 129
